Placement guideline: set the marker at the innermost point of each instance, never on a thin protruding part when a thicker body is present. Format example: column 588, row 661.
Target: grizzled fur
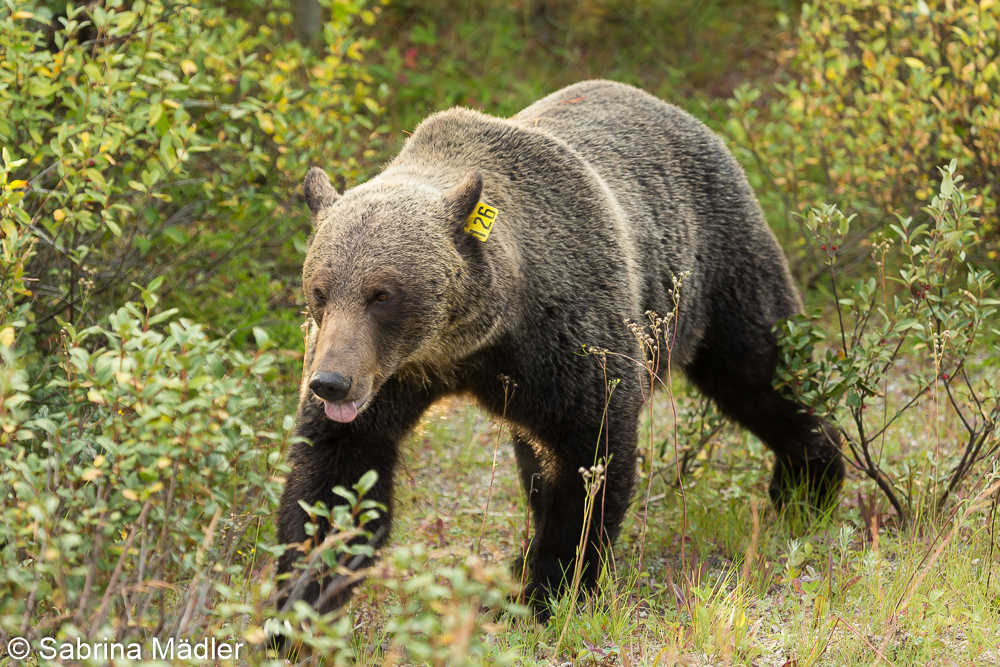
column 604, row 194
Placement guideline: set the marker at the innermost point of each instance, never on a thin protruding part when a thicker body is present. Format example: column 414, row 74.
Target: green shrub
column 168, row 139
column 16, row 246
column 140, row 475
column 871, row 97
column 929, row 338
column 134, row 504
column 437, row 615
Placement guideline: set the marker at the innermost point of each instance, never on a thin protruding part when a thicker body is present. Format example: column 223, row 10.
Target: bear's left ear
column 462, row 199
column 318, row 191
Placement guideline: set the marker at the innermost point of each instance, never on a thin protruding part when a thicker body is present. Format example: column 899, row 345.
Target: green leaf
column 345, row 494
column 44, row 424
column 155, row 113
column 175, row 234
column 163, row 316
column 366, row 483
column 947, row 185
column 97, row 177
column 260, row 335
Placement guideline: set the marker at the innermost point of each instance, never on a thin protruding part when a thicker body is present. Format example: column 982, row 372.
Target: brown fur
column 601, row 203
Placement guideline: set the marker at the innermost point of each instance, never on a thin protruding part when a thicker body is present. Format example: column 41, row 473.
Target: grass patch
column 792, row 592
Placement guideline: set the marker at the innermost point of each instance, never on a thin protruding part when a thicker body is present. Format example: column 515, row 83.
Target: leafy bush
column 435, row 605
column 142, row 473
column 438, row 618
column 870, row 98
column 167, row 139
column 929, row 337
column 16, row 248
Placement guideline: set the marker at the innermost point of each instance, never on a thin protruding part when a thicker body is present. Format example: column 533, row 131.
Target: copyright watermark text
column 49, row 648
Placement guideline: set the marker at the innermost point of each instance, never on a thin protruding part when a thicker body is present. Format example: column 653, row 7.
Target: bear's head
column 383, row 280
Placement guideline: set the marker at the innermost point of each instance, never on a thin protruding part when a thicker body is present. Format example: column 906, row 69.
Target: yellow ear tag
column 480, row 223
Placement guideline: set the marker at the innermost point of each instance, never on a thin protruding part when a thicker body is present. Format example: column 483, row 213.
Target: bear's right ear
column 461, row 199
column 319, row 193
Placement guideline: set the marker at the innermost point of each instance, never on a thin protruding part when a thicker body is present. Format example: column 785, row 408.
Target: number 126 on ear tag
column 480, row 223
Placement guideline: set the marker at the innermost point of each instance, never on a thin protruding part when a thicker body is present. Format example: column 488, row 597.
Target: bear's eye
column 381, row 297
column 318, row 295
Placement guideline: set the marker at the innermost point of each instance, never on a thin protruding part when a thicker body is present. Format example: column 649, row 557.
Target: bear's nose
column 332, row 387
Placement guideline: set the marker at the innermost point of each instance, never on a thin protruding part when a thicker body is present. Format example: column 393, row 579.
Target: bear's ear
column 319, row 193
column 461, row 199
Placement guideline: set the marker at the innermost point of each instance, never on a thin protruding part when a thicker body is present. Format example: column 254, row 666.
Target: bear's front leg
column 316, row 469
column 339, row 454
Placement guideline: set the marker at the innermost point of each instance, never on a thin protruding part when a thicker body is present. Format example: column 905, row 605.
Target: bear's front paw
column 538, row 602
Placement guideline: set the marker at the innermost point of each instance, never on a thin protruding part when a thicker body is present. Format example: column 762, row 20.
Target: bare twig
column 102, row 610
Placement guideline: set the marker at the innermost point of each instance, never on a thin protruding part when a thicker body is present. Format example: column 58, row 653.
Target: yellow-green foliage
column 15, row 250
column 134, row 504
column 138, row 469
column 871, row 97
column 169, row 139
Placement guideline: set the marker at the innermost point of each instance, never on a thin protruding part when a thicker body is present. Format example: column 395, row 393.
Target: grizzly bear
column 600, row 195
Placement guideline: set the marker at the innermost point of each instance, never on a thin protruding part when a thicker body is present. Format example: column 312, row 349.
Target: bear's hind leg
column 737, row 373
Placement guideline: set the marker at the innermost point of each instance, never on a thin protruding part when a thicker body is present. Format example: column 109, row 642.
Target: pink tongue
column 341, row 412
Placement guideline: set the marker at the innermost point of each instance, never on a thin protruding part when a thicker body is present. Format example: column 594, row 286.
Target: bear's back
column 662, row 164
column 602, row 170
column 687, row 198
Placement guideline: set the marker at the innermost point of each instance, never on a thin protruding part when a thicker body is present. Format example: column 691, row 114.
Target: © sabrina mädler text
column 207, row 649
